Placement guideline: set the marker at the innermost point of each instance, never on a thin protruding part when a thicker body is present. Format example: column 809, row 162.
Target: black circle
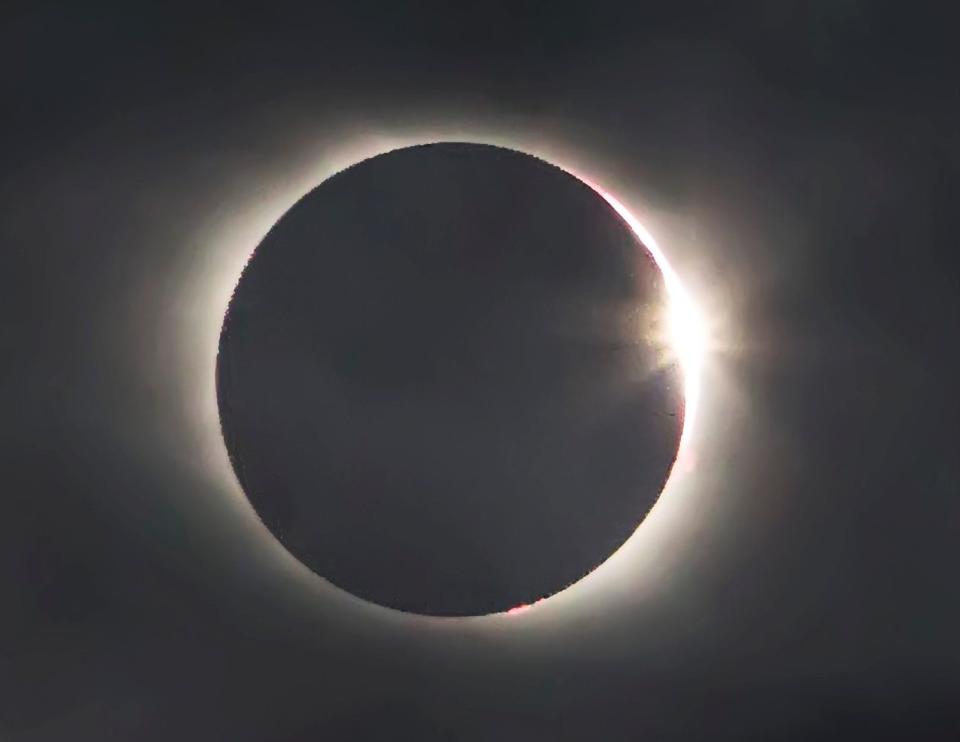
column 436, row 383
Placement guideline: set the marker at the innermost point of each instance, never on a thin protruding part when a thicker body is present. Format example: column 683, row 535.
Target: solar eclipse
column 453, row 378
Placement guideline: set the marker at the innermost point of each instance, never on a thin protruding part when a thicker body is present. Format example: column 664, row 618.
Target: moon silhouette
column 441, row 384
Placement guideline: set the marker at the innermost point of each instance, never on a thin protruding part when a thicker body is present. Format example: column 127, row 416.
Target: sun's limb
column 687, row 337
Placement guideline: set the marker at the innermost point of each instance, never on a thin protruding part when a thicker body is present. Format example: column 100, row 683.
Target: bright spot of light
column 687, row 332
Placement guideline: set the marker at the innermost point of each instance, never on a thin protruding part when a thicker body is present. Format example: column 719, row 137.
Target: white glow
column 228, row 240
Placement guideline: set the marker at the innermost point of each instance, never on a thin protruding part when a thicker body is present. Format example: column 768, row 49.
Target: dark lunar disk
column 434, row 382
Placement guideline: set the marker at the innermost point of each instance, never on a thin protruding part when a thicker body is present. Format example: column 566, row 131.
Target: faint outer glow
column 210, row 276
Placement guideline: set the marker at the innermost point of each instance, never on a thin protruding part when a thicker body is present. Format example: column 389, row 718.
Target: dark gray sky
column 798, row 160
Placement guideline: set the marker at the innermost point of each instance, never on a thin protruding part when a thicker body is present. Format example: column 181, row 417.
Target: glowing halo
column 211, row 276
